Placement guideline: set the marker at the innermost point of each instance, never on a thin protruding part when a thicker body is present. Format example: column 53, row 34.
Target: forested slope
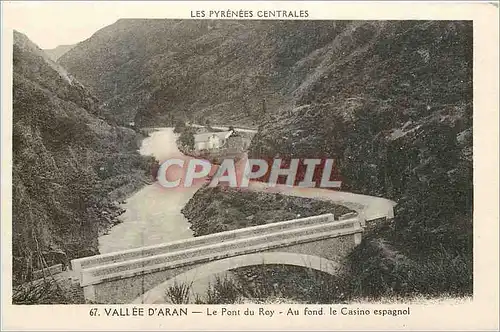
column 69, row 165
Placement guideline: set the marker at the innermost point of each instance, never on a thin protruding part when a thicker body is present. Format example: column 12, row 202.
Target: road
column 370, row 207
column 243, row 130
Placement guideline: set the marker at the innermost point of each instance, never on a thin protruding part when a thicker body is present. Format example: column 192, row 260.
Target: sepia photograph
column 242, row 157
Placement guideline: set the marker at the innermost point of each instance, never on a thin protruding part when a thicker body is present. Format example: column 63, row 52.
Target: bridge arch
column 157, row 294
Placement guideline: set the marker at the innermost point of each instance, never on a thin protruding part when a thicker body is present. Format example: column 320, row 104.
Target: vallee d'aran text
column 140, row 311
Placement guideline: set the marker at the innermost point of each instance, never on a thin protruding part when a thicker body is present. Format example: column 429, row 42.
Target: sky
column 53, row 23
column 49, row 24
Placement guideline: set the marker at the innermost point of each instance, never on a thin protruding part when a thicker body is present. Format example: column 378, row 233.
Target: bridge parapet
column 275, row 238
column 139, row 253
column 123, row 276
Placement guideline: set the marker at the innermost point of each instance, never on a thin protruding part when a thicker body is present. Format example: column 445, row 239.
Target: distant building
column 211, row 141
column 224, row 141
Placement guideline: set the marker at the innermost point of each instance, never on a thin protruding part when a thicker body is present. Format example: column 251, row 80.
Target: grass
column 414, row 299
column 33, row 293
column 178, row 293
column 47, row 291
column 222, row 290
column 381, row 267
column 262, row 284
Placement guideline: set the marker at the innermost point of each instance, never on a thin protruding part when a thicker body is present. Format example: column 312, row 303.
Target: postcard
column 250, row 165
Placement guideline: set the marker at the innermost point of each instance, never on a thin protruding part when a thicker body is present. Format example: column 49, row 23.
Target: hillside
column 69, row 166
column 213, row 210
column 393, row 104
column 55, row 53
column 230, row 71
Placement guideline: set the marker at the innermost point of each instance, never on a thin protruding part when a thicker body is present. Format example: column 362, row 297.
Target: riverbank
column 186, row 141
column 118, row 176
column 123, row 186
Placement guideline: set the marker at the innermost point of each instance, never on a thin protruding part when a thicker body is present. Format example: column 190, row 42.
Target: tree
column 208, row 124
column 180, row 126
column 186, row 139
column 171, row 119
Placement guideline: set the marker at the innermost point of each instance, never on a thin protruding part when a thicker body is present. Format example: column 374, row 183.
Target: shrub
column 178, row 293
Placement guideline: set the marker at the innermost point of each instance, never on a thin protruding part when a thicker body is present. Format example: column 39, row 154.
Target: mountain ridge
column 56, row 52
column 160, row 60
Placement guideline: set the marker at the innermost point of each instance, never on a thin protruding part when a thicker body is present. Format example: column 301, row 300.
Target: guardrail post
column 76, row 265
column 89, row 293
column 357, row 238
column 390, row 213
column 362, row 219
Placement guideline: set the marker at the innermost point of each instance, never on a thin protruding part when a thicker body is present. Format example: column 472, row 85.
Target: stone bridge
column 142, row 275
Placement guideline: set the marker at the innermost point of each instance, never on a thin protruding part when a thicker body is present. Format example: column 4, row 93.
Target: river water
column 153, row 214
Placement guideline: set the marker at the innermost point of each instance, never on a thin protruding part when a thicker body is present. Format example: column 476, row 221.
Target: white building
column 211, row 141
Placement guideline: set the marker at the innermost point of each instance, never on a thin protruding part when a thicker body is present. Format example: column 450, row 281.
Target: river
column 153, row 214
